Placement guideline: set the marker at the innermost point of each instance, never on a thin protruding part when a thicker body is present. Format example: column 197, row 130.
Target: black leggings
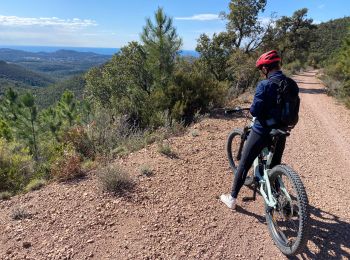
column 254, row 145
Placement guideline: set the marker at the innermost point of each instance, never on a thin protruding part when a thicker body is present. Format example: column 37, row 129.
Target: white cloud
column 16, row 21
column 321, row 6
column 200, row 17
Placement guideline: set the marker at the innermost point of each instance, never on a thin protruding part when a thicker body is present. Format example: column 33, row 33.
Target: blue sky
column 113, row 23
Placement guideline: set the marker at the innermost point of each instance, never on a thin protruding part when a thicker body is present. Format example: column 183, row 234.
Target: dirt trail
column 175, row 214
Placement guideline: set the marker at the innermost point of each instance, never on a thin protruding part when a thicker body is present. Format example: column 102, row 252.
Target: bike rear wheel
column 234, row 149
column 288, row 223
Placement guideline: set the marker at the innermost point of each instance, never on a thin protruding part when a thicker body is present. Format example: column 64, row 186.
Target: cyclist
column 264, row 109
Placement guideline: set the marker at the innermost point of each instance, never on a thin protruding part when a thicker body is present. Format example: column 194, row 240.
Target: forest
column 148, row 91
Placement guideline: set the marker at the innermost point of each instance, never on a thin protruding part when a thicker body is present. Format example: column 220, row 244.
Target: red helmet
column 267, row 58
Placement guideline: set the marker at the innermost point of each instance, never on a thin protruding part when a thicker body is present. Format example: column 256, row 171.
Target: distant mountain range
column 102, row 51
column 59, row 56
column 56, row 65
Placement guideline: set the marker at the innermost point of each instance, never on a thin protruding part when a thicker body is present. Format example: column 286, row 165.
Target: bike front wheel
column 234, row 149
column 288, row 222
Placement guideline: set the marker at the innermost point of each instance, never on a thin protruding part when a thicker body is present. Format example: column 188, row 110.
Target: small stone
column 26, row 244
column 90, row 241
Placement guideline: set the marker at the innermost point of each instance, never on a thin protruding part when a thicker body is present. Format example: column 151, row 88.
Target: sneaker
column 228, row 200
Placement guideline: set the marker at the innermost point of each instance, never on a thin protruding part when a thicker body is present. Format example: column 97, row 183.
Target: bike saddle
column 278, row 132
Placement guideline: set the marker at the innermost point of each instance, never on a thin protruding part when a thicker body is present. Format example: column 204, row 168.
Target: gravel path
column 175, row 213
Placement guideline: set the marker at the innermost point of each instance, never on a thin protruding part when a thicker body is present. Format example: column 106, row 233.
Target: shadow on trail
column 307, row 83
column 312, row 91
column 327, row 232
column 241, row 210
column 310, row 75
column 330, row 235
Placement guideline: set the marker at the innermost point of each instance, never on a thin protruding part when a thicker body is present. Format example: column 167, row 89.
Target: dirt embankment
column 175, row 214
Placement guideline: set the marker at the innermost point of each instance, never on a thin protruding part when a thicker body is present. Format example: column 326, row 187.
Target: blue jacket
column 264, row 104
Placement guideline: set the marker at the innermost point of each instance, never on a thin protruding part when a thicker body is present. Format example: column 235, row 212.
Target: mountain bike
column 285, row 198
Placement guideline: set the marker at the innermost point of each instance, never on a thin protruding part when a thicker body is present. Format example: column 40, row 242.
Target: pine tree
column 67, row 108
column 28, row 119
column 162, row 45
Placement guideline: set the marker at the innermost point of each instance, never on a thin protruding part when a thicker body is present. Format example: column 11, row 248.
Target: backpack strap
column 282, row 83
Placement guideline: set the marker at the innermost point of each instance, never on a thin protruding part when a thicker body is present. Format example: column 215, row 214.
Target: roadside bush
column 192, row 91
column 20, row 213
column 88, row 165
column 67, row 167
column 106, row 131
column 293, row 67
column 146, row 170
column 114, row 179
column 5, row 130
column 165, row 148
column 78, row 137
column 5, row 195
column 242, row 73
column 333, row 86
column 347, row 102
column 16, row 166
column 35, row 184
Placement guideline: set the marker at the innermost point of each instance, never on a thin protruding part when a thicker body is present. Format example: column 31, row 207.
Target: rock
column 90, row 241
column 26, row 244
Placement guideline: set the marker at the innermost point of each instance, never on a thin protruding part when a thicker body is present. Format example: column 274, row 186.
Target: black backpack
column 288, row 102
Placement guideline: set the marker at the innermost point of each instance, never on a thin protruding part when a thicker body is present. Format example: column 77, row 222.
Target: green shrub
column 194, row 133
column 146, row 170
column 347, row 102
column 193, row 90
column 293, row 67
column 176, row 129
column 119, row 151
column 134, row 142
column 5, row 195
column 88, row 165
column 16, row 166
column 35, row 184
column 333, row 86
column 115, row 179
column 150, row 138
column 165, row 148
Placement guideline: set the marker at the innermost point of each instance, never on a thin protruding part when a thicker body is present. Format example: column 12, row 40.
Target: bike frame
column 264, row 180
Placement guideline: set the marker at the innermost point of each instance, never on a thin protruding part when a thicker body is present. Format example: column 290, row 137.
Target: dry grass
column 19, row 214
column 67, row 167
column 116, row 180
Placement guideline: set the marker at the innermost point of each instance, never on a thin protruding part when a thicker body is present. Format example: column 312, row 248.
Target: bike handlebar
column 235, row 110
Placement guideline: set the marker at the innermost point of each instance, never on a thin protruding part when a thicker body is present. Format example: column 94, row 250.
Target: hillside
column 45, row 97
column 176, row 214
column 58, row 64
column 330, row 36
column 21, row 75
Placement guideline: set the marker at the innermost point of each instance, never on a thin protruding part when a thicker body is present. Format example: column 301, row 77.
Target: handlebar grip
column 235, row 110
